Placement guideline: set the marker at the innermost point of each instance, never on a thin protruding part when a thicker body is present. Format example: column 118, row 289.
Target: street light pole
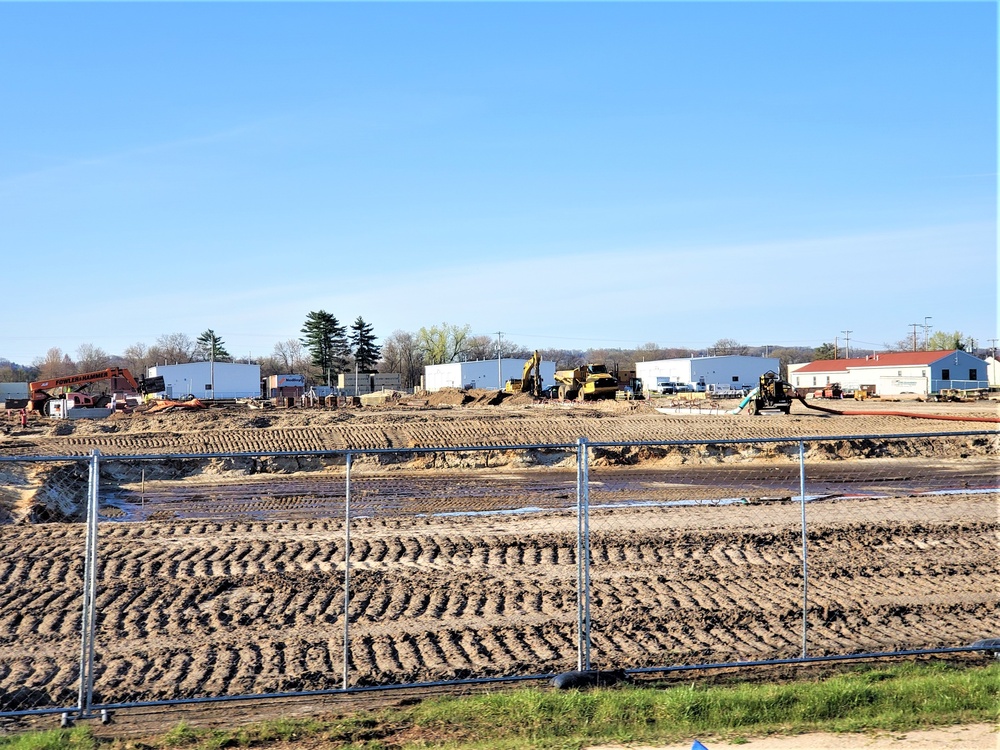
column 499, row 362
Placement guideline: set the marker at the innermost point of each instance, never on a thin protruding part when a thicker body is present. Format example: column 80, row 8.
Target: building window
column 946, row 374
column 814, row 380
column 973, row 374
column 899, row 373
column 828, row 380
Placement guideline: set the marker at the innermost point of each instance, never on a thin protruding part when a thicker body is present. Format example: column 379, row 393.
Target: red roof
column 890, row 359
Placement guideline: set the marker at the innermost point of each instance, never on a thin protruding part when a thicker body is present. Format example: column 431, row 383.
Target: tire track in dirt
column 210, row 608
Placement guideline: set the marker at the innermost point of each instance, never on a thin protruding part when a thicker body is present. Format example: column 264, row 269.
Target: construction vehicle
column 122, row 383
column 832, row 390
column 772, row 395
column 531, row 378
column 586, row 382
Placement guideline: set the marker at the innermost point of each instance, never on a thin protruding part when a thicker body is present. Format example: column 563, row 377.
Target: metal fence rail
column 293, row 573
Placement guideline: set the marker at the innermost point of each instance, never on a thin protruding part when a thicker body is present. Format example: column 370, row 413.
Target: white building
column 993, row 372
column 894, row 373
column 490, row 374
column 209, row 380
column 13, row 391
column 723, row 373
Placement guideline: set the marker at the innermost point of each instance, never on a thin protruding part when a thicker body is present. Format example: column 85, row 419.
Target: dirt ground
column 219, row 585
column 973, row 737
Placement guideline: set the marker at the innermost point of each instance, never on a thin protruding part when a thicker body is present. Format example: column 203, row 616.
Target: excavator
column 531, row 379
column 586, row 382
column 121, row 379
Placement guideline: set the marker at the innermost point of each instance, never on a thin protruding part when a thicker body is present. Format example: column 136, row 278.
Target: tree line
column 326, row 348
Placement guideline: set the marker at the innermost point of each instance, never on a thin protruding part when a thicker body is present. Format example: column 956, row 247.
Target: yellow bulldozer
column 586, row 382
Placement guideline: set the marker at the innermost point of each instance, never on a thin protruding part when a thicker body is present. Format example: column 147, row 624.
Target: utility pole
column 926, row 329
column 847, row 343
column 914, row 335
column 836, row 347
column 499, row 361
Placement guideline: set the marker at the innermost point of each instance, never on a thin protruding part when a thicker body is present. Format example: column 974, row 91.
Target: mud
column 227, row 576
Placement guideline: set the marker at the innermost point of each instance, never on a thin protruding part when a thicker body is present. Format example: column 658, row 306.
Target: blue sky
column 575, row 175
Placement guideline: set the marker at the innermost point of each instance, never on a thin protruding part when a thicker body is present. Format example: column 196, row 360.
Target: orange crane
column 121, row 381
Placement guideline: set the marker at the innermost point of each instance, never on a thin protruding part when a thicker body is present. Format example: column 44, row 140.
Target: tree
column 11, row 372
column 787, row 356
column 90, row 358
column 326, row 341
column 138, row 358
column 723, row 347
column 944, row 340
column 55, row 364
column 442, row 344
column 401, row 354
column 826, row 351
column 172, row 348
column 290, row 357
column 366, row 353
column 208, row 346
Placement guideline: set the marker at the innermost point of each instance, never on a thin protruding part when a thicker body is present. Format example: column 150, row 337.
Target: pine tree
column 326, row 341
column 366, row 353
column 211, row 347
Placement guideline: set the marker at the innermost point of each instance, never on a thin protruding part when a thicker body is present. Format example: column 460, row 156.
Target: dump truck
column 586, row 382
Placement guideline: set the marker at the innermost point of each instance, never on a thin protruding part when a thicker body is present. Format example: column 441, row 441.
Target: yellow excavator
column 531, row 378
column 586, row 382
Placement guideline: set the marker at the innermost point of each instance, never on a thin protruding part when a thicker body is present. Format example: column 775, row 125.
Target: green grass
column 897, row 697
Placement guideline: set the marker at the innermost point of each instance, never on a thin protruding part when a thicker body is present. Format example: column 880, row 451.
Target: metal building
column 724, row 373
column 490, row 374
column 209, row 380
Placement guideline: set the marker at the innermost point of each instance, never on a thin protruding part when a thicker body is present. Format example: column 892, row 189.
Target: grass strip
column 897, row 698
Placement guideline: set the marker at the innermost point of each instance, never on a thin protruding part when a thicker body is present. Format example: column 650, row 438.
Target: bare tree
column 172, row 348
column 55, row 364
column 723, row 347
column 565, row 359
column 481, row 347
column 401, row 354
column 90, row 358
column 138, row 358
column 291, row 357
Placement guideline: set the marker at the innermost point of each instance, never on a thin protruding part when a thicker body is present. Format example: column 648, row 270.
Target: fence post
column 88, row 620
column 805, row 561
column 583, row 554
column 347, row 569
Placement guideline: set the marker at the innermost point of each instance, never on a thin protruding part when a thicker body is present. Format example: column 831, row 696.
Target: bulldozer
column 586, row 382
column 531, row 378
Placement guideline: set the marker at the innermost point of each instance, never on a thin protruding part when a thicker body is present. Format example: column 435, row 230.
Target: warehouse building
column 490, row 374
column 209, row 380
column 722, row 374
column 893, row 373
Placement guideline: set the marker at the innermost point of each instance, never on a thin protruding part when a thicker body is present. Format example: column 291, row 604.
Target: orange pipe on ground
column 911, row 415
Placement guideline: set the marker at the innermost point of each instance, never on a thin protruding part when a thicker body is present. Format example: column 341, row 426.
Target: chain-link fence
column 189, row 578
column 42, row 583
